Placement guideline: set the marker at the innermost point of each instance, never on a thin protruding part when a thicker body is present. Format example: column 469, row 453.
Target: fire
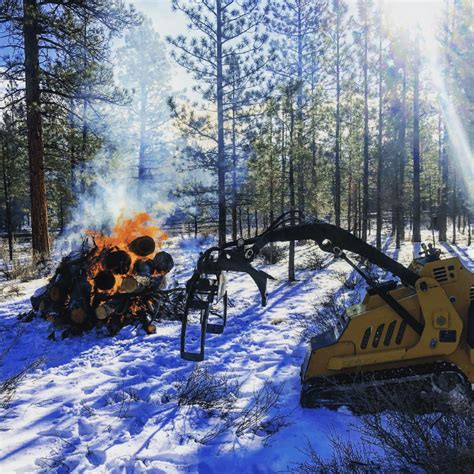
column 117, row 258
column 125, row 230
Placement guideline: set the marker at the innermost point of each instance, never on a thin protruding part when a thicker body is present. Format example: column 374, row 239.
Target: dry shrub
column 260, row 416
column 352, row 281
column 327, row 313
column 254, row 417
column 9, row 385
column 219, row 396
column 399, row 439
column 207, row 390
column 346, row 457
column 17, row 270
column 25, row 270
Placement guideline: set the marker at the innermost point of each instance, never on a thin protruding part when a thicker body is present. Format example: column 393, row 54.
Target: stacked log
column 112, row 287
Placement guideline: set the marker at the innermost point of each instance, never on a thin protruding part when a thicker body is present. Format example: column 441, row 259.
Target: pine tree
column 224, row 28
column 364, row 7
column 44, row 30
column 336, row 28
column 378, row 238
column 296, row 24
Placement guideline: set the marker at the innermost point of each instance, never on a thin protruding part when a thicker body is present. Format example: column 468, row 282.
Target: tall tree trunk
column 272, row 175
column 291, row 256
column 283, row 170
column 365, row 177
column 72, row 151
column 7, row 197
column 39, row 208
column 416, row 148
column 378, row 238
column 314, row 177
column 401, row 162
column 442, row 220
column 349, row 195
column 360, row 206
column 85, row 113
column 221, row 164
column 337, row 151
column 249, row 228
column 455, row 204
column 234, row 167
column 241, row 233
column 299, row 104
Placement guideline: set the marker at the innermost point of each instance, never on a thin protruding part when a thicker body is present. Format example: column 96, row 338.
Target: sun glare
column 423, row 17
column 418, row 15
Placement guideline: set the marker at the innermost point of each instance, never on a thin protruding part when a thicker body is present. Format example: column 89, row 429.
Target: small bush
column 315, row 261
column 207, row 390
column 9, row 386
column 326, row 314
column 19, row 270
column 260, row 416
column 272, row 254
column 254, row 417
column 346, row 457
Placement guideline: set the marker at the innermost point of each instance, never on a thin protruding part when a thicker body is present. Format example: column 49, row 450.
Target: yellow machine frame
column 376, row 338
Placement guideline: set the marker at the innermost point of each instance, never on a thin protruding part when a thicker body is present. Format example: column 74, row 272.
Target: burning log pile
column 113, row 281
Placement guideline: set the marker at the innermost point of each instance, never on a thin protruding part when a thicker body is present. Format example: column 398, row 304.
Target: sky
column 407, row 13
column 424, row 13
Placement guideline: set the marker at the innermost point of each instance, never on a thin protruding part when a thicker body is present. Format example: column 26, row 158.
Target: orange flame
column 124, row 231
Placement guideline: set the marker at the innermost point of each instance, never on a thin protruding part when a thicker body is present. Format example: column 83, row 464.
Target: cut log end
column 78, row 315
column 104, row 280
column 142, row 246
column 150, row 329
column 138, row 283
column 144, row 267
column 103, row 311
column 118, row 262
column 163, row 262
column 129, row 284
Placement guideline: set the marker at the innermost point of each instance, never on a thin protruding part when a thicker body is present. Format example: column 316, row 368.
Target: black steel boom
column 237, row 256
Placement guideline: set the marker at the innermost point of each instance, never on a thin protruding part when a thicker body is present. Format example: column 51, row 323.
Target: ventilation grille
column 440, row 274
column 471, row 293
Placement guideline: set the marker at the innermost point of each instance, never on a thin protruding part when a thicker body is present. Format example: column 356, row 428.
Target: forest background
column 217, row 116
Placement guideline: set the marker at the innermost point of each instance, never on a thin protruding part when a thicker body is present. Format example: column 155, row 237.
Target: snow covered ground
column 109, row 404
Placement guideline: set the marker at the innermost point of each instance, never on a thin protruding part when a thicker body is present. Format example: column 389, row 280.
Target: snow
column 108, row 404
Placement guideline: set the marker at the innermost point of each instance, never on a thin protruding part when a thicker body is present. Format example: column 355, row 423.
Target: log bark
column 79, row 304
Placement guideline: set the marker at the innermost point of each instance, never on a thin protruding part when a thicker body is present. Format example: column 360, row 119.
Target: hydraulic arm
column 237, row 256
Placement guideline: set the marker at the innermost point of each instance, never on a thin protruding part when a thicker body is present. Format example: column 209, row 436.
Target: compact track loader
column 414, row 335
